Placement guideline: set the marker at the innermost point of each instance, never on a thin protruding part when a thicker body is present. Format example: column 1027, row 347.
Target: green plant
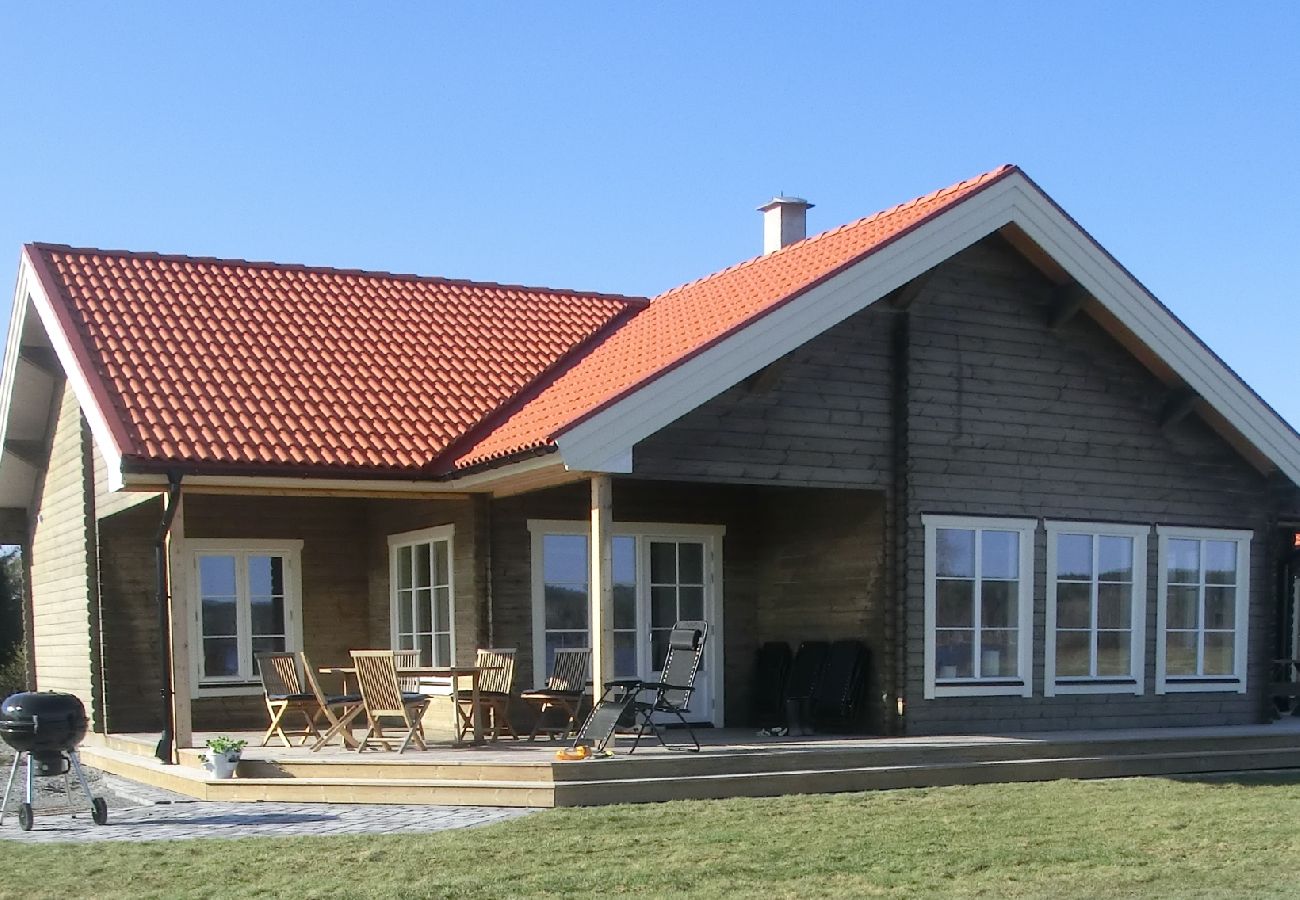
column 13, row 673
column 225, row 745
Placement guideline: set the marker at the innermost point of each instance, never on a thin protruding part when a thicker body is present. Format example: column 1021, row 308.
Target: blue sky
column 623, row 147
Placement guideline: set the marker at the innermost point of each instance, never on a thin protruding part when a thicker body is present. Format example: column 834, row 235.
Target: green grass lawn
column 1132, row 837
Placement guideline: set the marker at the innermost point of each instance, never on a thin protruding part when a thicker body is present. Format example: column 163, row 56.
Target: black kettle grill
column 45, row 728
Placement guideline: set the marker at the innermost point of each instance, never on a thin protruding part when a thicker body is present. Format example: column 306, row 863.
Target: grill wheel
column 25, row 817
column 99, row 811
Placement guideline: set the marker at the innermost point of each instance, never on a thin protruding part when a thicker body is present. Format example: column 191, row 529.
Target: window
column 1204, row 609
column 1096, row 608
column 979, row 577
column 246, row 601
column 422, row 604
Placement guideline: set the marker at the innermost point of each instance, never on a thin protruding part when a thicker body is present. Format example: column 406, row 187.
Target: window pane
column 220, row 656
column 955, row 604
column 442, row 642
column 1182, row 610
column 219, row 615
column 404, row 558
column 406, row 641
column 691, row 603
column 565, row 607
column 1180, row 653
column 423, row 610
column 217, row 576
column 1113, row 653
column 556, row 640
column 690, row 557
column 564, row 558
column 1184, row 562
column 999, row 608
column 1074, row 556
column 268, row 615
column 624, row 606
column 1113, row 606
column 663, row 562
column 1220, row 562
column 265, row 576
column 441, row 563
column 423, row 566
column 442, row 609
column 1220, row 607
column 624, row 561
column 997, row 653
column 955, row 553
column 425, row 644
column 663, row 607
column 659, row 646
column 1000, row 552
column 1219, row 653
column 1115, row 558
column 625, row 654
column 953, row 654
column 404, row 612
column 267, row 645
column 1073, row 653
column 1073, row 605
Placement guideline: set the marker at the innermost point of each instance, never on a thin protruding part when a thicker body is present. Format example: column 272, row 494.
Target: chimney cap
column 782, row 200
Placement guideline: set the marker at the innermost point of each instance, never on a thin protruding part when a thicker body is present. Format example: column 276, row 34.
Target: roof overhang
column 604, row 441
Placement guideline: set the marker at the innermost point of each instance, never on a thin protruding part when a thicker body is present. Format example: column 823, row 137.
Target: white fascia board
column 30, row 288
column 614, row 431
column 13, row 348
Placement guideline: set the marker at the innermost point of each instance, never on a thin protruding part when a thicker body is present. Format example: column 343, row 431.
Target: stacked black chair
column 801, row 686
column 839, row 692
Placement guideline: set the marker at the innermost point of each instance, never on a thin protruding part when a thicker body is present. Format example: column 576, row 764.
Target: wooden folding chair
column 494, row 688
column 349, row 707
column 564, row 689
column 283, row 689
column 384, row 700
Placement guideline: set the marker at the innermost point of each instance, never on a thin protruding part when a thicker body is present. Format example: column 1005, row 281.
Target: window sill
column 1229, row 684
column 1095, row 686
column 214, row 689
column 1000, row 687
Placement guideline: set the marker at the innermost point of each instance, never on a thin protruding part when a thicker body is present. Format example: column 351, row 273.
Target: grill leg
column 81, row 776
column 31, row 781
column 9, row 786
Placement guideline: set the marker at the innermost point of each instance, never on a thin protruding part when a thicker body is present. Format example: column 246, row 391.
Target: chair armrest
column 662, row 686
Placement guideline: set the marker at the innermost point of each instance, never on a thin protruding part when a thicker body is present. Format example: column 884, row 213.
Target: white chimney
column 785, row 220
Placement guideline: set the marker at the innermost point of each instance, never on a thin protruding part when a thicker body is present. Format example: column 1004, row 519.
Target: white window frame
column 643, row 532
column 1022, row 685
column 1134, row 682
column 411, row 539
column 1236, row 682
column 291, row 550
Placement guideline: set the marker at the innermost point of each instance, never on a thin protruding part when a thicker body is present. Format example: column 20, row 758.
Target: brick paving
column 140, row 813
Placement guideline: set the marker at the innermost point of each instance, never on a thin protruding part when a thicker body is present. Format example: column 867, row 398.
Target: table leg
column 477, row 707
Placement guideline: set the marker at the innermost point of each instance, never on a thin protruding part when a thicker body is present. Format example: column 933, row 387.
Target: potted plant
column 223, row 756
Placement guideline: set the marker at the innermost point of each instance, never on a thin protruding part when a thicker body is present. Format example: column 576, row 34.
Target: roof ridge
column 840, row 229
column 631, row 299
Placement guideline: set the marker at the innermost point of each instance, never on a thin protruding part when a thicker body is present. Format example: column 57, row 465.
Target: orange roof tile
column 681, row 323
column 243, row 366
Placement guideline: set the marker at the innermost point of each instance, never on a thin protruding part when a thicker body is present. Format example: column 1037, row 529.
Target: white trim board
column 610, row 434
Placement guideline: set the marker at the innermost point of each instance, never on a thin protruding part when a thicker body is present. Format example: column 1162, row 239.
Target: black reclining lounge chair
column 801, row 686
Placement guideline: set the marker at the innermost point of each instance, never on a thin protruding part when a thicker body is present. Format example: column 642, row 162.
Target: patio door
column 422, row 602
column 677, row 579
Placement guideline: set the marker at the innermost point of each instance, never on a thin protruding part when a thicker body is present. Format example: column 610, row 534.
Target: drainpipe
column 166, row 750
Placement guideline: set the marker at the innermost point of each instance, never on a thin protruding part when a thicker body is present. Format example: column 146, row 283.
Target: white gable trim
column 30, row 290
column 612, row 433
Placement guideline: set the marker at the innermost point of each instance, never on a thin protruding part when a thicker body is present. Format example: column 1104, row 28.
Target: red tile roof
column 227, row 366
column 683, row 322
column 239, row 365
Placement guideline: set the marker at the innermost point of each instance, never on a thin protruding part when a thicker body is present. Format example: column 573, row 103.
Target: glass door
column 678, row 583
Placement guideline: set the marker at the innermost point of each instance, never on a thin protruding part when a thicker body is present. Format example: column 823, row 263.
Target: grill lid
column 42, row 721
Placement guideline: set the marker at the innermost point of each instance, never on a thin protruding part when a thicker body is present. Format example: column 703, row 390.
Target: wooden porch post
column 602, row 582
column 178, row 591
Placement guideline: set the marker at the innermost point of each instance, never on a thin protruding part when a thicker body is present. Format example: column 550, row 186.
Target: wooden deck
column 733, row 763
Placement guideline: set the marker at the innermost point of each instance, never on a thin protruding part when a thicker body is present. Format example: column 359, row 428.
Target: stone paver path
column 139, row 813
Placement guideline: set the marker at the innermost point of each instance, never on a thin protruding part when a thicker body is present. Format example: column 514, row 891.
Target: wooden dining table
column 452, row 673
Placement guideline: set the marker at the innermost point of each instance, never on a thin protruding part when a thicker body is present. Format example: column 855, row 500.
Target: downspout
column 166, row 750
